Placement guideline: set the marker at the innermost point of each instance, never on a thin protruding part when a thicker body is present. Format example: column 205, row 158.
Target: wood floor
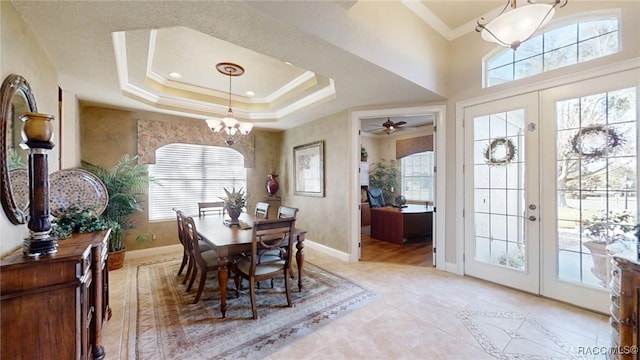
column 418, row 253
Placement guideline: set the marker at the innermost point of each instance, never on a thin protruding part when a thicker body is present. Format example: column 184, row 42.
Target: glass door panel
column 499, row 237
column 593, row 177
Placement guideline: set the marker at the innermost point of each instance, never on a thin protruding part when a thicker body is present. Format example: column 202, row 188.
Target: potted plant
column 384, row 175
column 76, row 220
column 234, row 202
column 363, row 153
column 126, row 182
column 603, row 231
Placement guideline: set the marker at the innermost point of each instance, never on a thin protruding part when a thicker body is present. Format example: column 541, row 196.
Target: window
column 563, row 46
column 185, row 174
column 417, row 176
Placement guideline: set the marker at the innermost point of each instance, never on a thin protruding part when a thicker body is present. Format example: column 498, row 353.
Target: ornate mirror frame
column 14, row 88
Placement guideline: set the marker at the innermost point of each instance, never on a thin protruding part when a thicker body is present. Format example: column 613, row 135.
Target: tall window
column 417, row 176
column 563, row 46
column 185, row 174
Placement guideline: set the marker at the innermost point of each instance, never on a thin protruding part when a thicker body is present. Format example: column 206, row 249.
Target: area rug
column 169, row 326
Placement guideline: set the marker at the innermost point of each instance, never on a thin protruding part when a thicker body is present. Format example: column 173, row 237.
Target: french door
column 501, row 197
column 548, row 195
column 589, row 177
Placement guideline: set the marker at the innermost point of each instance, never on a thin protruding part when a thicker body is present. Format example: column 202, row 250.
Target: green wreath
column 500, row 152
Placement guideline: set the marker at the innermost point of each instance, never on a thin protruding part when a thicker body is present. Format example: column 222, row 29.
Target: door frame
column 599, row 71
column 439, row 138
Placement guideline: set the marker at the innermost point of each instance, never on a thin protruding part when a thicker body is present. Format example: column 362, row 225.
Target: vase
column 272, row 184
column 234, row 214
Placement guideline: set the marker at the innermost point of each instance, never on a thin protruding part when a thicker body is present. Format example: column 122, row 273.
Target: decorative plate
column 76, row 188
column 19, row 180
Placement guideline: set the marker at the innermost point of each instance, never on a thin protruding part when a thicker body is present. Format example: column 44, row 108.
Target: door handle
column 533, row 218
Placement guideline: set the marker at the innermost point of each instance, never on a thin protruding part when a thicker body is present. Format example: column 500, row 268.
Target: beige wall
column 21, row 54
column 107, row 134
column 465, row 82
column 325, row 218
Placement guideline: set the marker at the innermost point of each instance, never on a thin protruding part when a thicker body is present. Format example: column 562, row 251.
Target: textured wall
column 325, row 218
column 21, row 54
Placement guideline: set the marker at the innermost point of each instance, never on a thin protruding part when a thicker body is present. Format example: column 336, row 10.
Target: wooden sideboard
column 54, row 307
column 625, row 291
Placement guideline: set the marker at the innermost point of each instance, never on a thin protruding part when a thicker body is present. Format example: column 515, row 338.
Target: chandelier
column 515, row 26
column 229, row 129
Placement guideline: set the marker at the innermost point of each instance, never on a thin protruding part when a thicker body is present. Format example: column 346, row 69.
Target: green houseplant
column 234, row 202
column 384, row 175
column 126, row 182
column 75, row 219
column 363, row 153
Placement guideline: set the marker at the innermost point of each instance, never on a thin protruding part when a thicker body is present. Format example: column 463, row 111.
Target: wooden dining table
column 229, row 241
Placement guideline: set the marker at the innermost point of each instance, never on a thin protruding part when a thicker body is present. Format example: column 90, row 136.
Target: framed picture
column 308, row 169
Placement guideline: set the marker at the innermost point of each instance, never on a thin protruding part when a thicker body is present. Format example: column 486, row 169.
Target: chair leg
column 185, row 259
column 193, row 278
column 189, row 270
column 286, row 287
column 203, row 278
column 252, row 290
column 238, row 282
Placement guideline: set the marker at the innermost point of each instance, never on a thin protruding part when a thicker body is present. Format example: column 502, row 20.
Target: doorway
column 366, row 248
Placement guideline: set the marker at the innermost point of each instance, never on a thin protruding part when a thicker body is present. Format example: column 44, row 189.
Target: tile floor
column 421, row 313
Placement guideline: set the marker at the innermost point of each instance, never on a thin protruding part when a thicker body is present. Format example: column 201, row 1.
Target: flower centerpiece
column 234, row 203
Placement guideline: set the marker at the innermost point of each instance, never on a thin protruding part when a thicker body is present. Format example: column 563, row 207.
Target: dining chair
column 211, row 206
column 267, row 235
column 262, row 210
column 287, row 212
column 274, row 254
column 185, row 252
column 187, row 255
column 203, row 261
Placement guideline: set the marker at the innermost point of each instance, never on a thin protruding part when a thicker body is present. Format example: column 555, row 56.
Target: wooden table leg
column 300, row 259
column 223, row 276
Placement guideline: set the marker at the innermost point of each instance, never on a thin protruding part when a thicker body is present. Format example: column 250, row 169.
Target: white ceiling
column 119, row 53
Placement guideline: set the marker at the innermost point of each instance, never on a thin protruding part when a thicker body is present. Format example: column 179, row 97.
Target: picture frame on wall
column 308, row 169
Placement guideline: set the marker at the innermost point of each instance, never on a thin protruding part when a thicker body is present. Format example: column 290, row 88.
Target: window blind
column 185, row 174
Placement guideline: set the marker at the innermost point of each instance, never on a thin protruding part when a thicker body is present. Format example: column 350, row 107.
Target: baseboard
column 452, row 268
column 340, row 255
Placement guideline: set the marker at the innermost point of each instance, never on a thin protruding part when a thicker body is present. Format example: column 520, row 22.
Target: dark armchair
column 376, row 198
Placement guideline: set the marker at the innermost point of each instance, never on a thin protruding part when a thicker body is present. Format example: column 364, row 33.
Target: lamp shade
column 514, row 27
column 214, row 125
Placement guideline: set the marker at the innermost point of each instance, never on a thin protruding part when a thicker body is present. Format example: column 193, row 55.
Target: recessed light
column 250, row 93
column 288, row 63
column 175, row 75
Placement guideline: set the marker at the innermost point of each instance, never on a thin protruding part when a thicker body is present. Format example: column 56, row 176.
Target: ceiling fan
column 388, row 127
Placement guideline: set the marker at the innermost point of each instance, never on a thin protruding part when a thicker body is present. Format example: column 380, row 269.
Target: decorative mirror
column 16, row 99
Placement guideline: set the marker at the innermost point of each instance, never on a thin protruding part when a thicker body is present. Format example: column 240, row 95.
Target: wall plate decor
column 76, row 188
column 308, row 169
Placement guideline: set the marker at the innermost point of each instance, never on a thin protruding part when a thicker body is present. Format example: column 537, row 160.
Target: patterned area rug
column 169, row 326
